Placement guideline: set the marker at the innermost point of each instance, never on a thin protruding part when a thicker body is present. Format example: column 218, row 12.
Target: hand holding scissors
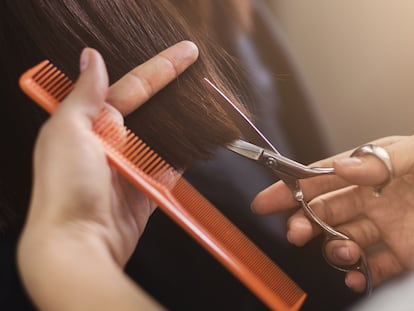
column 257, row 147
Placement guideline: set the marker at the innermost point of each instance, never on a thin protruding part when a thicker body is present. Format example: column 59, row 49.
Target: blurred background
column 357, row 58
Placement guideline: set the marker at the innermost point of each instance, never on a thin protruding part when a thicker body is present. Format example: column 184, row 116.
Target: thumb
column 91, row 88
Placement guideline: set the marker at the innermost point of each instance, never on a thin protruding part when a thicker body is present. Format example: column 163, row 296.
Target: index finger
column 278, row 196
column 141, row 83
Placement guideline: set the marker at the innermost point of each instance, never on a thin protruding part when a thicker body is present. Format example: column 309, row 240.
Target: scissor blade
column 284, row 167
column 246, row 149
column 248, row 129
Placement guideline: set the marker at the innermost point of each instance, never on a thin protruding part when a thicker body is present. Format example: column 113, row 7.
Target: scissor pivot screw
column 298, row 195
column 271, row 162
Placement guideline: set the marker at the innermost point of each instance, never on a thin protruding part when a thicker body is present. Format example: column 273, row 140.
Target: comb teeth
column 134, row 151
column 53, row 81
column 270, row 282
column 46, row 85
column 138, row 163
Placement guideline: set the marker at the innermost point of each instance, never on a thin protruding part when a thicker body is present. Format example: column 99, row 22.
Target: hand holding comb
column 46, row 85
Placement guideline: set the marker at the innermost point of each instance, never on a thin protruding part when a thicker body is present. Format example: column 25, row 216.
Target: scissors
column 257, row 147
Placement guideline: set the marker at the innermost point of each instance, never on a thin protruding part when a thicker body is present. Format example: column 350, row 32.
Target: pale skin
column 84, row 219
column 382, row 225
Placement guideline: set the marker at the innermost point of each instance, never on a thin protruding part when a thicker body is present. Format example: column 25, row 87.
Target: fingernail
column 259, row 202
column 348, row 282
column 349, row 162
column 190, row 51
column 253, row 207
column 84, row 59
column 342, row 253
column 299, row 229
column 290, row 237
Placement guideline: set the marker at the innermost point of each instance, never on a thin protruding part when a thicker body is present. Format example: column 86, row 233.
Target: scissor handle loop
column 332, row 234
column 381, row 154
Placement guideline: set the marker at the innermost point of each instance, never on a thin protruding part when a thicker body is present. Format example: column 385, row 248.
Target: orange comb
column 47, row 85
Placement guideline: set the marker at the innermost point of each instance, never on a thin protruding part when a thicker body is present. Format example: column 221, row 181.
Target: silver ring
column 381, row 154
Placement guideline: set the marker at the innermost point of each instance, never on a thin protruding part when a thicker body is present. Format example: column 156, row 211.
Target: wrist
column 53, row 263
column 69, row 270
column 42, row 242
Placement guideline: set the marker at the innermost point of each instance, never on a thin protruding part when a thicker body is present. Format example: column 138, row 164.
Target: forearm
column 62, row 273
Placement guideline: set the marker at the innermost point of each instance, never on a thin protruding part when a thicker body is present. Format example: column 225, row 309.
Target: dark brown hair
column 183, row 122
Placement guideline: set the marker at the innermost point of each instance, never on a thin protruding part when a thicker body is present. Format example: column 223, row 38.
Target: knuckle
column 385, row 268
column 169, row 64
column 144, row 83
column 320, row 206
